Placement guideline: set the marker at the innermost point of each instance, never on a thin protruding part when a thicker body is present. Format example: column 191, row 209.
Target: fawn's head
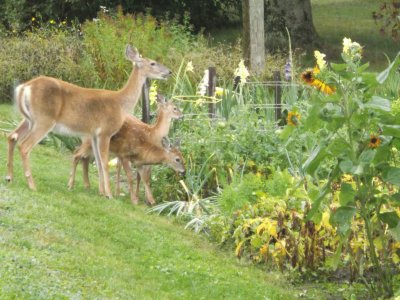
column 174, row 157
column 168, row 108
column 150, row 68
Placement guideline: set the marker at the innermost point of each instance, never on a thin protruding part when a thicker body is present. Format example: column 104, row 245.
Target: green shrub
column 51, row 53
column 238, row 194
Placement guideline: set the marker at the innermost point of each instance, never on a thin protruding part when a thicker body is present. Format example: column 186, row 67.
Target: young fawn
column 140, row 143
column 49, row 104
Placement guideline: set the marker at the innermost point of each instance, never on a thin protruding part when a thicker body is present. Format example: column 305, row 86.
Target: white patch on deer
column 65, row 130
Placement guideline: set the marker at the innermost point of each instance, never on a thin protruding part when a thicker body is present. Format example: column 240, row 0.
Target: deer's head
column 169, row 108
column 149, row 67
column 174, row 157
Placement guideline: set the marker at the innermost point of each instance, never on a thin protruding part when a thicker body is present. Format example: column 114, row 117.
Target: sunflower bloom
column 293, row 118
column 323, row 87
column 308, row 77
column 374, row 141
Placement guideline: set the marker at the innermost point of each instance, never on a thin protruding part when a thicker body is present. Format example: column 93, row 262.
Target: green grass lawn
column 334, row 20
column 60, row 244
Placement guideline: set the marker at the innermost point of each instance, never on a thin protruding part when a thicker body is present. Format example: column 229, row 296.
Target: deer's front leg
column 128, row 171
column 145, row 174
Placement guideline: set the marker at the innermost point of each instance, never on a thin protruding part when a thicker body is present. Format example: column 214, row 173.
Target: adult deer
column 138, row 142
column 49, row 104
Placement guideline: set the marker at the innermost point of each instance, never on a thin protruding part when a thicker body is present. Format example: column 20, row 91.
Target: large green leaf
column 342, row 218
column 347, row 194
column 395, row 232
column 379, row 103
column 314, row 160
column 381, row 77
column 391, row 130
column 366, row 157
column 391, row 218
column 381, row 155
column 391, row 175
column 338, row 67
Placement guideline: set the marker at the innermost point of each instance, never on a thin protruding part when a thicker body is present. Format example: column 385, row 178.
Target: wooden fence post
column 212, row 83
column 146, row 102
column 278, row 95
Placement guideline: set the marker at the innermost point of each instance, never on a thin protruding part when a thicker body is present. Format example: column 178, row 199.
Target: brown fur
column 50, row 104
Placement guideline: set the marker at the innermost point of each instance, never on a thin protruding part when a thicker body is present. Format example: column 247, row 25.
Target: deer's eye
column 153, row 63
column 178, row 160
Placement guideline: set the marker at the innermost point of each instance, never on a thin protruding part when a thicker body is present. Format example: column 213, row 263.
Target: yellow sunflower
column 293, row 118
column 374, row 141
column 308, row 77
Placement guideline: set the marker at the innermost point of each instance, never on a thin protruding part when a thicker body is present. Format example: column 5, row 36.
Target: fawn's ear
column 132, row 54
column 165, row 143
column 177, row 143
column 160, row 98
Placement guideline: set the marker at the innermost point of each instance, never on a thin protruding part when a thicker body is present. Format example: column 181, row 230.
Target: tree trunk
column 296, row 16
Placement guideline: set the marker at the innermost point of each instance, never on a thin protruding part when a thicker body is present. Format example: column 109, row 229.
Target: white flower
column 320, row 57
column 242, row 72
column 352, row 51
column 346, row 45
column 203, row 85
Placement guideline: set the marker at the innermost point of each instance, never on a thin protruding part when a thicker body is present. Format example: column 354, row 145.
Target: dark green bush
column 56, row 54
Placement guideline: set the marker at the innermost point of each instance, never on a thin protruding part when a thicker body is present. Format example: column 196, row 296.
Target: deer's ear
column 132, row 54
column 177, row 143
column 165, row 143
column 160, row 98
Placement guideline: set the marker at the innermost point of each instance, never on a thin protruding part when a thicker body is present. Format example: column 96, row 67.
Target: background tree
column 295, row 15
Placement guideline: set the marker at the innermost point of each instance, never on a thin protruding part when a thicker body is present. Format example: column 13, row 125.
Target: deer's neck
column 132, row 90
column 154, row 155
column 162, row 125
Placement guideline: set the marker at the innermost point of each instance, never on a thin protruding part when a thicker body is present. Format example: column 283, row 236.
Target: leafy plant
column 356, row 132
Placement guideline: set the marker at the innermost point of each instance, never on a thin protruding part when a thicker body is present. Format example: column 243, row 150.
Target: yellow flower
column 113, row 163
column 189, row 67
column 374, row 141
column 242, row 72
column 293, row 118
column 264, row 249
column 308, row 77
column 320, row 57
column 323, row 87
column 219, row 91
column 153, row 93
column 52, row 22
column 33, row 19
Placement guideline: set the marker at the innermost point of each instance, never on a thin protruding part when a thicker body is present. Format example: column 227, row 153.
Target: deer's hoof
column 8, row 178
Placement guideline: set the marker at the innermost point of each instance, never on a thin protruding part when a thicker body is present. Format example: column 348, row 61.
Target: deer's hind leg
column 35, row 135
column 13, row 138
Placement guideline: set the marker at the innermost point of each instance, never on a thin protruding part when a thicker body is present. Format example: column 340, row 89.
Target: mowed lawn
column 336, row 19
column 60, row 244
